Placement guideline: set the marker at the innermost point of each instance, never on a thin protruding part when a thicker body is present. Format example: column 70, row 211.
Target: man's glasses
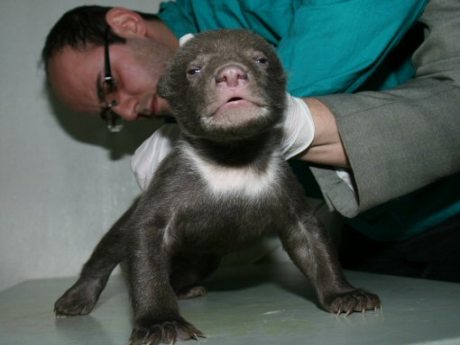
column 109, row 90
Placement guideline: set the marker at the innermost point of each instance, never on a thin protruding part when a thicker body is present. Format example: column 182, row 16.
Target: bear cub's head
column 225, row 85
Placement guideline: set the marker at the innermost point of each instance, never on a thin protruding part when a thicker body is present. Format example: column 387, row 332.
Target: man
column 397, row 135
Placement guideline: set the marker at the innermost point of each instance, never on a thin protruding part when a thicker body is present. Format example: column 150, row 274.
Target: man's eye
column 109, row 85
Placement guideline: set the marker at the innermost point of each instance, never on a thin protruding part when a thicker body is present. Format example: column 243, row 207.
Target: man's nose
column 126, row 107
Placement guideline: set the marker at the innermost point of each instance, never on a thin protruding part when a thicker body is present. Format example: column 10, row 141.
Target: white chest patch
column 246, row 181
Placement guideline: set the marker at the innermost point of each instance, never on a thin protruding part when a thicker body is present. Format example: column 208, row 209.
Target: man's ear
column 126, row 23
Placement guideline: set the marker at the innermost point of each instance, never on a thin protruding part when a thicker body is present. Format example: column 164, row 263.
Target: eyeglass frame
column 113, row 120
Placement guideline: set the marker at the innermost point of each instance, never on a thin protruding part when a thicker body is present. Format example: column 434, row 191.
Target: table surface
column 245, row 305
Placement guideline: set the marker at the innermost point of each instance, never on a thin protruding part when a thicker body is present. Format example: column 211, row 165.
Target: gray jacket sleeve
column 400, row 140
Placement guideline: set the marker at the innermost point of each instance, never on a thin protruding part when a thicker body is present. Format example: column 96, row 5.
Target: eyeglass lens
column 114, row 121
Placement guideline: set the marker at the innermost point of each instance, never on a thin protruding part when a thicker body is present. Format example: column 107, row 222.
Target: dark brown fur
column 175, row 234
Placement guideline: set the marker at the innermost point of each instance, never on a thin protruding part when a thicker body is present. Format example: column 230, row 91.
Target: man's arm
column 399, row 140
column 327, row 147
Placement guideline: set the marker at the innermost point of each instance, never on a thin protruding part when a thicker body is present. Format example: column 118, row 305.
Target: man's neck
column 157, row 30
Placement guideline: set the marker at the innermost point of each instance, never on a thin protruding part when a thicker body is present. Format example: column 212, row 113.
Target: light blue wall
column 63, row 178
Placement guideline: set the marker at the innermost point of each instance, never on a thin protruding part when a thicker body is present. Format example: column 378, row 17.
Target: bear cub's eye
column 193, row 70
column 261, row 60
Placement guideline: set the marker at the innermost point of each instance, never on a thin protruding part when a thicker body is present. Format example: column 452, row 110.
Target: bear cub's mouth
column 235, row 99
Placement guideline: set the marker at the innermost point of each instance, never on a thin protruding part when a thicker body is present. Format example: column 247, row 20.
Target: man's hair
column 80, row 27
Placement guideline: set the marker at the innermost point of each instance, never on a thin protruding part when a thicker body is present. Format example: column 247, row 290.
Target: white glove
column 185, row 38
column 148, row 156
column 298, row 127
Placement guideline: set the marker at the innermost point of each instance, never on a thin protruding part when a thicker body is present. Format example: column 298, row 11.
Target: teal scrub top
column 326, row 47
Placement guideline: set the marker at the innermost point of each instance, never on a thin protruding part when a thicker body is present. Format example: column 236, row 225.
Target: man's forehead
column 73, row 76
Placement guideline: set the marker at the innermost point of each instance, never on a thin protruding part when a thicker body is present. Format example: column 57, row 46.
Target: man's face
column 76, row 76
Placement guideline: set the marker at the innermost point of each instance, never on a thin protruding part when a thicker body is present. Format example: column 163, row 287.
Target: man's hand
column 298, row 127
